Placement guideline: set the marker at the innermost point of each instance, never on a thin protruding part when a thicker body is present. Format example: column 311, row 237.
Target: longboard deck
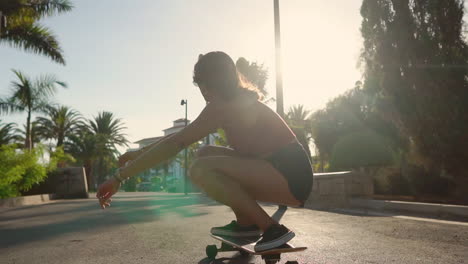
column 247, row 244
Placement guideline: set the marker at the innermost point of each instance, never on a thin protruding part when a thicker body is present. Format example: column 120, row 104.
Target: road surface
column 173, row 228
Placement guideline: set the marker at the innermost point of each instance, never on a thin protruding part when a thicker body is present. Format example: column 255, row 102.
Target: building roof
column 174, row 127
column 181, row 119
column 147, row 139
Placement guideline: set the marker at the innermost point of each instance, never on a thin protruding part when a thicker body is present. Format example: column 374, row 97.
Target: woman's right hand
column 106, row 190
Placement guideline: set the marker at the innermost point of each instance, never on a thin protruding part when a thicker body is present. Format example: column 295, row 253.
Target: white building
column 175, row 173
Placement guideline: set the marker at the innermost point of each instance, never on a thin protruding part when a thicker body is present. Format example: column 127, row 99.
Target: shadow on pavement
column 345, row 211
column 51, row 220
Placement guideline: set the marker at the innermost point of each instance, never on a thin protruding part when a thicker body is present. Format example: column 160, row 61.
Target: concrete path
column 172, row 228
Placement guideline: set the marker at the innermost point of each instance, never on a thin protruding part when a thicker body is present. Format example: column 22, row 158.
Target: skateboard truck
column 271, row 259
column 245, row 246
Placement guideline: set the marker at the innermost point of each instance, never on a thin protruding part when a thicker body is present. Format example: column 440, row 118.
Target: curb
column 434, row 210
column 25, row 200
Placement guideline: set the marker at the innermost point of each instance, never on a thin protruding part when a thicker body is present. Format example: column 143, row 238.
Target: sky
column 135, row 58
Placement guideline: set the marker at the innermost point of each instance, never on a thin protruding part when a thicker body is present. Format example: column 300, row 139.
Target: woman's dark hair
column 216, row 70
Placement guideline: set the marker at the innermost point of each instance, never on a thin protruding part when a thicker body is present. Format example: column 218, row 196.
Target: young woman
column 266, row 162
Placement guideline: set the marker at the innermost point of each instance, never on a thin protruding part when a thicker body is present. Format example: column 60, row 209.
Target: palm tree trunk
column 1, row 23
column 27, row 144
column 60, row 141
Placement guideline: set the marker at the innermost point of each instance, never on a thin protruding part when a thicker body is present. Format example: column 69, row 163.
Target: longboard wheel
column 211, row 251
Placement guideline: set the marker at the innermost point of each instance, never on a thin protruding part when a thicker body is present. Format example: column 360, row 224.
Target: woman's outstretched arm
column 131, row 155
column 207, row 122
column 156, row 154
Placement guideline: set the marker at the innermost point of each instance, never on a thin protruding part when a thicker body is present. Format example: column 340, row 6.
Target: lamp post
column 184, row 102
column 279, row 77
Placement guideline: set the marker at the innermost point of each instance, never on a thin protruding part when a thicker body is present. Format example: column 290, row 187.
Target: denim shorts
column 294, row 163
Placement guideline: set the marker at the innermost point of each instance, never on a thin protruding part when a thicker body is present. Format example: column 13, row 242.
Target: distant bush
column 390, row 181
column 425, row 182
column 416, row 181
column 20, row 170
column 363, row 149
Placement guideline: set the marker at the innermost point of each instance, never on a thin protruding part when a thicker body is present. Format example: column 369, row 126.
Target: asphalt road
column 173, row 228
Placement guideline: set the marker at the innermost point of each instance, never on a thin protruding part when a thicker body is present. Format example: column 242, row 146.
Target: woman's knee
column 203, row 151
column 209, row 150
column 198, row 169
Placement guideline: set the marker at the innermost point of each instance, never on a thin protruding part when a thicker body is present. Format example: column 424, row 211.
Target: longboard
column 245, row 245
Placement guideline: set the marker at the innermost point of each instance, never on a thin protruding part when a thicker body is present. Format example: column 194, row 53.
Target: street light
column 279, row 77
column 184, row 102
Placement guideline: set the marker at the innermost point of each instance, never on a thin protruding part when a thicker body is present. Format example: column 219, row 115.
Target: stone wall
column 335, row 189
column 71, row 183
column 63, row 183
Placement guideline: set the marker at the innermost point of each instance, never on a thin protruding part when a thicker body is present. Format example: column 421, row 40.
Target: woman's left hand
column 106, row 190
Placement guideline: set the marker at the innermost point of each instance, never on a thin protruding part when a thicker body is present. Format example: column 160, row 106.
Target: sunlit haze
column 135, row 58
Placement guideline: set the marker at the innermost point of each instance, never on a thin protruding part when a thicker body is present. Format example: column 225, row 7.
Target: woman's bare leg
column 240, row 182
column 210, row 150
column 229, row 192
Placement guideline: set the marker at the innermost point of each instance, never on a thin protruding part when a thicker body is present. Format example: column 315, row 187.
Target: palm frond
column 8, row 133
column 21, row 89
column 49, row 7
column 7, row 107
column 46, row 85
column 34, row 38
column 60, row 124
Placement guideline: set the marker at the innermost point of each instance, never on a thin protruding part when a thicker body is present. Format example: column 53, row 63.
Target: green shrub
column 391, row 181
column 424, row 182
column 20, row 170
column 59, row 158
column 416, row 181
column 363, row 149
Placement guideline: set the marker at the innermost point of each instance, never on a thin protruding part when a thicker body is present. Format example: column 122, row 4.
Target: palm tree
column 34, row 135
column 95, row 145
column 19, row 27
column 298, row 118
column 106, row 124
column 60, row 123
column 7, row 133
column 109, row 130
column 86, row 148
column 298, row 115
column 30, row 96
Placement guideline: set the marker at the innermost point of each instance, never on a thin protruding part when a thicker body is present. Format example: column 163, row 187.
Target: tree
column 33, row 135
column 298, row 119
column 83, row 147
column 60, row 123
column 105, row 123
column 352, row 112
column 30, row 96
column 95, row 146
column 255, row 73
column 7, row 133
column 415, row 63
column 19, row 26
column 361, row 149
